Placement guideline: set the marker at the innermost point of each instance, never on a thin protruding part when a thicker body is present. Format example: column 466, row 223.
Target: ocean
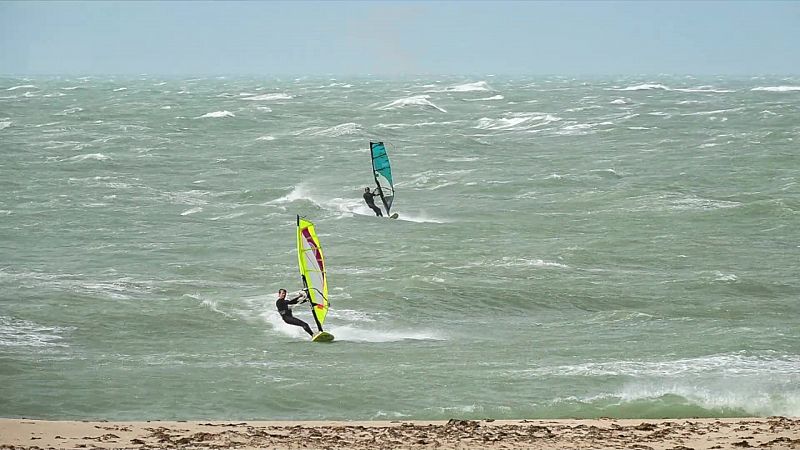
column 565, row 248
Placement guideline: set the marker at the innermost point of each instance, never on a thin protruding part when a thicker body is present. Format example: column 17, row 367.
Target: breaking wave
column 478, row 86
column 777, row 88
column 216, row 115
column 269, row 97
column 417, row 100
column 335, row 131
column 516, row 122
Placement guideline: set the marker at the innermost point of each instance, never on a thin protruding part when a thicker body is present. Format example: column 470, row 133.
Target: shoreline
column 641, row 434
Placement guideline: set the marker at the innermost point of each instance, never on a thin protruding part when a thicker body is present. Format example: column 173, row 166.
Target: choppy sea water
column 619, row 247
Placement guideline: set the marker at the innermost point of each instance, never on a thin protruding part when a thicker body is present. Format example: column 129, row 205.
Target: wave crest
column 217, row 115
column 417, row 100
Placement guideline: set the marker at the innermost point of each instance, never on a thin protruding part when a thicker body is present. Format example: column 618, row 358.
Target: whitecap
column 704, row 89
column 24, row 86
column 5, row 124
column 269, row 97
column 776, row 88
column 92, row 156
column 417, row 100
column 494, row 97
column 644, row 87
column 265, row 138
column 335, row 131
column 709, row 113
column 478, row 86
column 524, row 262
column 192, row 211
column 516, row 122
column 725, row 277
column 120, row 89
column 216, row 115
column 24, row 333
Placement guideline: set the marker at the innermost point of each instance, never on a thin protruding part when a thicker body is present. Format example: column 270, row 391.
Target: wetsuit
column 286, row 314
column 370, row 199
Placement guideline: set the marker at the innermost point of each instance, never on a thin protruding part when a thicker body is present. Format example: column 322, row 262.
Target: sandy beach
column 679, row 434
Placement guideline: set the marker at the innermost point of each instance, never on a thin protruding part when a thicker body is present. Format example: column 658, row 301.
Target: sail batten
column 311, row 263
column 382, row 171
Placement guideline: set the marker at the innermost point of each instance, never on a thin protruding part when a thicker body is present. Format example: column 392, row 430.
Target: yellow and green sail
column 312, row 269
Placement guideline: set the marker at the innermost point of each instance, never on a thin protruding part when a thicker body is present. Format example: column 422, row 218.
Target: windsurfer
column 286, row 311
column 369, row 197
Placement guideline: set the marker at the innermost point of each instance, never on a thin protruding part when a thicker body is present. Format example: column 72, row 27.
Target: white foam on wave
column 494, row 97
column 120, row 89
column 397, row 126
column 216, row 115
column 751, row 394
column 5, row 124
column 267, row 97
column 418, row 217
column 621, row 101
column 194, row 210
column 299, row 192
column 23, row 86
column 229, row 216
column 661, row 87
column 478, row 86
column 344, row 207
column 516, row 122
column 777, row 88
column 351, row 333
column 335, row 131
column 725, row 277
column 265, row 138
column 643, row 87
column 69, row 111
column 704, row 89
column 525, row 262
column 348, row 333
column 580, row 129
column 417, row 100
column 24, row 333
column 729, row 364
column 711, row 113
column 89, row 156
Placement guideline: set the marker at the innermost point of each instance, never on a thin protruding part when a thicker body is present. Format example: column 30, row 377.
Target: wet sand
column 667, row 434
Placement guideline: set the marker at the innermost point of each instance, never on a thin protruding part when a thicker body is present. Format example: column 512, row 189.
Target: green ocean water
column 598, row 247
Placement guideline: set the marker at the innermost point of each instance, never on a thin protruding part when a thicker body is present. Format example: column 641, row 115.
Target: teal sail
column 383, row 173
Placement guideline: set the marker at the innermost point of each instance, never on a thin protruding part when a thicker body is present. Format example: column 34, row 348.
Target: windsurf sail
column 382, row 171
column 312, row 269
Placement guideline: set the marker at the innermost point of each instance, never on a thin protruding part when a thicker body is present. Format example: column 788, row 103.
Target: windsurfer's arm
column 300, row 296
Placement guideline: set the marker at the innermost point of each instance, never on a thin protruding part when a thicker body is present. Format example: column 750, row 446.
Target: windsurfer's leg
column 377, row 211
column 291, row 320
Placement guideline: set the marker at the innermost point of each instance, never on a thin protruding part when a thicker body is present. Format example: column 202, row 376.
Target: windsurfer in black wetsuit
column 369, row 197
column 286, row 311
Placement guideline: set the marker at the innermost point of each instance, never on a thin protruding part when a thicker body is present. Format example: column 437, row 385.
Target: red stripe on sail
column 317, row 253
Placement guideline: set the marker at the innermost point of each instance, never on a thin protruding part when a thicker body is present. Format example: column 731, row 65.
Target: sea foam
column 777, row 88
column 417, row 100
column 216, row 115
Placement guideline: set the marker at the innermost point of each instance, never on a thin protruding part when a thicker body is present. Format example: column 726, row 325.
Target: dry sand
column 682, row 434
